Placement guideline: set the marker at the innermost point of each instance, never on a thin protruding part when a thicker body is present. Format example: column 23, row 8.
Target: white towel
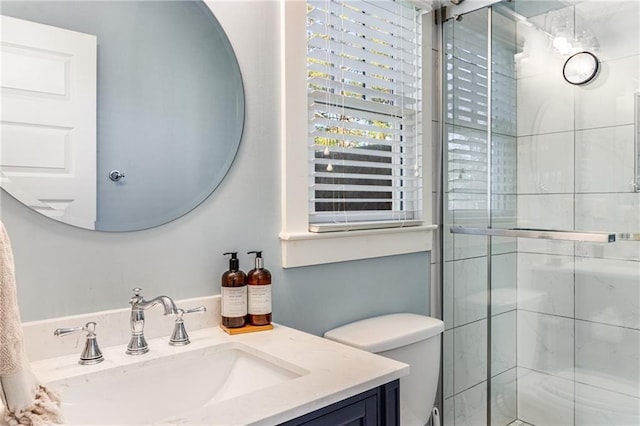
column 26, row 401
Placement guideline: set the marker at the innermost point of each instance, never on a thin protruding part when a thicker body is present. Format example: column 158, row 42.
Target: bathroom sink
column 157, row 390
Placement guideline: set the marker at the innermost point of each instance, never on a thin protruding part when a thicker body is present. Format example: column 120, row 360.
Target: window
column 363, row 92
column 350, row 149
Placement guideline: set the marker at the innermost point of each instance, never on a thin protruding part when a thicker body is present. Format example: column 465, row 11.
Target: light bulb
column 562, row 45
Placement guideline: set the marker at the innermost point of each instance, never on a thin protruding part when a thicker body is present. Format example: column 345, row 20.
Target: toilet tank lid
column 386, row 332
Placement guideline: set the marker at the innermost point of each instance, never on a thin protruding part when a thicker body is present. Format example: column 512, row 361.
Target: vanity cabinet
column 376, row 407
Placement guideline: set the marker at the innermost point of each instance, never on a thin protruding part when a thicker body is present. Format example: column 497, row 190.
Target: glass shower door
column 540, row 330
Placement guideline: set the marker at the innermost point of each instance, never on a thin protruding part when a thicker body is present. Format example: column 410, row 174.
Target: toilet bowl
column 409, row 338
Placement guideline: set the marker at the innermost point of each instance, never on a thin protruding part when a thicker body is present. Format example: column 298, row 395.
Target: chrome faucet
column 138, row 344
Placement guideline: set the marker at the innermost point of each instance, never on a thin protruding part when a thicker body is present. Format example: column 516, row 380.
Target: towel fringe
column 45, row 411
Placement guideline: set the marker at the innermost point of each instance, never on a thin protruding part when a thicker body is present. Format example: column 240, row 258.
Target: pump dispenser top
column 234, row 263
column 259, row 261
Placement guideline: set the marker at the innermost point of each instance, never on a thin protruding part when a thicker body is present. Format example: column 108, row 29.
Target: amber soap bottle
column 234, row 294
column 259, row 292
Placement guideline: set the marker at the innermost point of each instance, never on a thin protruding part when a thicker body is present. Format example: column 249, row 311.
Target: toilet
column 409, row 338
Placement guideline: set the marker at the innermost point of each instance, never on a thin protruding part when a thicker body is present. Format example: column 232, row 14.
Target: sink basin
column 157, row 390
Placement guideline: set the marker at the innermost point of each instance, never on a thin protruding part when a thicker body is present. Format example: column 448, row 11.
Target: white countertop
column 330, row 372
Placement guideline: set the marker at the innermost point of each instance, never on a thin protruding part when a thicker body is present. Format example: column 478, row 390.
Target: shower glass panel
column 541, row 331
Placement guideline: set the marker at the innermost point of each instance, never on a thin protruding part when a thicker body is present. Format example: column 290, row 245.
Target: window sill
column 309, row 248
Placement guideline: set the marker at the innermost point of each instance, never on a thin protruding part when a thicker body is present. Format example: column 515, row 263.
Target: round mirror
column 580, row 68
column 116, row 116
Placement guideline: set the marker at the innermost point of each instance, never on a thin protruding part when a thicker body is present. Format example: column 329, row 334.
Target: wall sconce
column 580, row 68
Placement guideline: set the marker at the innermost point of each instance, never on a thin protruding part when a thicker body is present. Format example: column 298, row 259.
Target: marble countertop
column 330, row 372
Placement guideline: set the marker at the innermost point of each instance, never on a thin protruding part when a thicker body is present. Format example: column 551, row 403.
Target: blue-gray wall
column 63, row 270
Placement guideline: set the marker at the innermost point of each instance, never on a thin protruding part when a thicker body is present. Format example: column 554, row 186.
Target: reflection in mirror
column 150, row 90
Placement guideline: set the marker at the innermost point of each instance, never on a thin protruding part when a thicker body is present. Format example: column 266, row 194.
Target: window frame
column 299, row 246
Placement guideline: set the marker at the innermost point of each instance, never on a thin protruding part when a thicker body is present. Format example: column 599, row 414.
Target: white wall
column 63, row 270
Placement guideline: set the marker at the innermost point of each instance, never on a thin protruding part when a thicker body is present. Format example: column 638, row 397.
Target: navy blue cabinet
column 376, row 407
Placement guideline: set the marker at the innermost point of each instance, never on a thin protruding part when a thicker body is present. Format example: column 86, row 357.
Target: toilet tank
column 409, row 338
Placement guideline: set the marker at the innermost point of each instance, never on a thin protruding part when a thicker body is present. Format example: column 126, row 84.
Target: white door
column 48, row 119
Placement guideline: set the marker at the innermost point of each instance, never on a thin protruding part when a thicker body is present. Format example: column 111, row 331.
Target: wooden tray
column 246, row 329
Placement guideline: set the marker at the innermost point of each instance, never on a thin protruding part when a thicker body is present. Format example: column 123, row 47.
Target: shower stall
column 541, row 213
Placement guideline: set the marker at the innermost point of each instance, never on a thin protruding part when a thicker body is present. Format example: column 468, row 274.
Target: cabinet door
column 360, row 410
column 362, row 413
column 375, row 407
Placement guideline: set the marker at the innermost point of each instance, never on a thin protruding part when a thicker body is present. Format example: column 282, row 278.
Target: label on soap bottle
column 234, row 301
column 259, row 299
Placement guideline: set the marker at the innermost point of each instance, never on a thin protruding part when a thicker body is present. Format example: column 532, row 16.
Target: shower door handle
column 546, row 234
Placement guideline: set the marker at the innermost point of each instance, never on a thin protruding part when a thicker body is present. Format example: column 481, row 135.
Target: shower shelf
column 548, row 234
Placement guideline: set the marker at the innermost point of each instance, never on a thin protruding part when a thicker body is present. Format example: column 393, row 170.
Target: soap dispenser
column 234, row 294
column 259, row 292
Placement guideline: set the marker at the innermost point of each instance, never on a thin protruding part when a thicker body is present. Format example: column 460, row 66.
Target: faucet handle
column 179, row 337
column 192, row 311
column 91, row 353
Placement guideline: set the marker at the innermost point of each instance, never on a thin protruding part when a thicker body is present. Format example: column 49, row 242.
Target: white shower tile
column 533, row 245
column 503, row 398
column 622, row 250
column 607, row 291
column 544, row 399
column 448, row 415
column 609, row 99
column 503, row 342
column 471, row 406
column 605, row 159
column 504, row 217
column 547, row 211
column 503, row 283
column 448, row 364
column 545, row 103
column 545, row 283
column 545, row 343
column 469, row 246
column 608, row 212
column 607, row 357
column 435, row 290
column 504, row 245
column 448, row 294
column 599, row 407
column 470, row 290
column 470, row 357
column 545, row 163
column 614, row 24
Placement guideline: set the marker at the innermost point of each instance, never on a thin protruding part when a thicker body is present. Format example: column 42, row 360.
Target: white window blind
column 364, row 89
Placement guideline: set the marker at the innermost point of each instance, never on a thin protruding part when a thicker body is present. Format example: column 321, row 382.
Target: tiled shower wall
column 578, row 317
column 565, row 318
